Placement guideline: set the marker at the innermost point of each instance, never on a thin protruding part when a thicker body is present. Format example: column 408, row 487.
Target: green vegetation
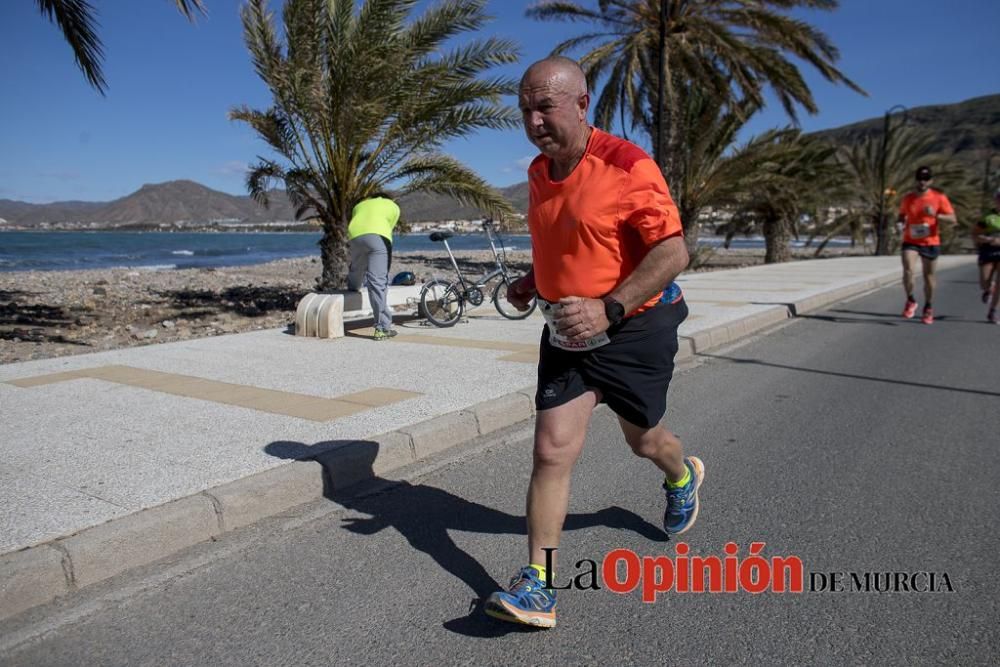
column 364, row 94
column 363, row 98
column 728, row 50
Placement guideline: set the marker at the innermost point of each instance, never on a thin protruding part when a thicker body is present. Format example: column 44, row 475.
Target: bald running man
column 606, row 238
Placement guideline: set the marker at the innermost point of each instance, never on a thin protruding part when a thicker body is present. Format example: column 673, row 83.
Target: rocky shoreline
column 45, row 314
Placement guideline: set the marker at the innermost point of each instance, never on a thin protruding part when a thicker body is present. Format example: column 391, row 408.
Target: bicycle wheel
column 505, row 307
column 441, row 303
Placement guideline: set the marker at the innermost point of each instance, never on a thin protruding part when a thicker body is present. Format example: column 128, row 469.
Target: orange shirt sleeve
column 944, row 206
column 646, row 204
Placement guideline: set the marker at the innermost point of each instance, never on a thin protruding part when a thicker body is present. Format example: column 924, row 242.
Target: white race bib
column 550, row 310
column 920, row 231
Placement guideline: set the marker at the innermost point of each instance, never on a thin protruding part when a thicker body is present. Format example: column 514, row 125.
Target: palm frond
column 363, row 96
column 444, row 175
column 260, row 177
column 75, row 19
column 732, row 49
column 188, row 8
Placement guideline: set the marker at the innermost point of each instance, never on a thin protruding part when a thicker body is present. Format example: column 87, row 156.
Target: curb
column 41, row 573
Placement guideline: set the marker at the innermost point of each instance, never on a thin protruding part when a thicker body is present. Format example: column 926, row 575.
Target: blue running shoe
column 526, row 601
column 682, row 503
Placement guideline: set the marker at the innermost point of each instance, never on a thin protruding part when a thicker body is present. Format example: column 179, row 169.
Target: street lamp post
column 987, row 186
column 660, row 150
column 882, row 224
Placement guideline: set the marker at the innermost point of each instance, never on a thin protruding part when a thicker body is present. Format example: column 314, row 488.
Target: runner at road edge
column 921, row 213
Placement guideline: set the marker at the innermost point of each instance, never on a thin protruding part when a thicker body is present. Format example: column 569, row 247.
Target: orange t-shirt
column 590, row 231
column 920, row 210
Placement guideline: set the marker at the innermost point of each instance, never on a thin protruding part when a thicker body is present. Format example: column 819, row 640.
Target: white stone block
column 320, row 316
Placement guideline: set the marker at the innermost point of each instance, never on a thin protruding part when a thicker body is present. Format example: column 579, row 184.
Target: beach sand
column 45, row 314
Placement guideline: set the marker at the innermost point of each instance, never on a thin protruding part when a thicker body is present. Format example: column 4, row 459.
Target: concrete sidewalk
column 116, row 459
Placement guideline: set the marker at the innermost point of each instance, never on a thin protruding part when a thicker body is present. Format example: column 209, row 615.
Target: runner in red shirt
column 606, row 240
column 921, row 213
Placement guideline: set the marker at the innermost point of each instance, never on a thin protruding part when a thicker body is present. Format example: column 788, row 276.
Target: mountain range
column 969, row 130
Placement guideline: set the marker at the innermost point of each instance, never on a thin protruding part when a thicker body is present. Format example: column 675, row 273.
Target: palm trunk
column 689, row 221
column 881, row 226
column 776, row 238
column 334, row 250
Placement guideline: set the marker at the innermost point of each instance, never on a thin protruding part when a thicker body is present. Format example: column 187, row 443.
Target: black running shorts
column 632, row 372
column 926, row 251
column 989, row 254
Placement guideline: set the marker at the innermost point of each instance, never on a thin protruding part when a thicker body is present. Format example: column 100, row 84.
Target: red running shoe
column 910, row 309
column 928, row 317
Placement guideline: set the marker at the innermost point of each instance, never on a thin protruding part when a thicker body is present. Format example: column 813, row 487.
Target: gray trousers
column 371, row 256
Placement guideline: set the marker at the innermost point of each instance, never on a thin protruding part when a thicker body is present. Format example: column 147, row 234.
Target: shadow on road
column 852, row 376
column 837, row 319
column 894, row 316
column 897, row 320
column 424, row 514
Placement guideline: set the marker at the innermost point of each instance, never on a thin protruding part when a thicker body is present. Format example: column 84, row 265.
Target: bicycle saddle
column 440, row 236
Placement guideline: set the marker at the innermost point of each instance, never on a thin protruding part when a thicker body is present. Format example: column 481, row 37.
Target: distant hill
column 969, row 129
column 186, row 204
column 150, row 206
column 17, row 211
column 189, row 201
column 423, row 207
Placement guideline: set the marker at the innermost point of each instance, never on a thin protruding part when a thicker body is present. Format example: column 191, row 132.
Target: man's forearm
column 659, row 267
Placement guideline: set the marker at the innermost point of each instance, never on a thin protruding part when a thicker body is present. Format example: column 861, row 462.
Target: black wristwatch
column 614, row 311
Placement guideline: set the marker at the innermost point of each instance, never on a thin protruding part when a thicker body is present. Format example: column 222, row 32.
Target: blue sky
column 171, row 84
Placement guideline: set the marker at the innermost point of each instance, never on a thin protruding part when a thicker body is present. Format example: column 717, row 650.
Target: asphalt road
column 854, row 440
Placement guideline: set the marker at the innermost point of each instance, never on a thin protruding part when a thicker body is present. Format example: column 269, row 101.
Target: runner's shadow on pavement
column 899, row 319
column 848, row 320
column 425, row 514
column 849, row 376
column 894, row 316
column 830, row 318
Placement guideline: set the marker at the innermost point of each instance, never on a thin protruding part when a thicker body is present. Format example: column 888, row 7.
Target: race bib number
column 920, row 231
column 550, row 311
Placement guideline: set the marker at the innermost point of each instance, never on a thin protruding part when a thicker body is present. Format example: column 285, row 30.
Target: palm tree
column 766, row 181
column 714, row 172
column 733, row 49
column 76, row 20
column 362, row 101
column 792, row 175
column 905, row 149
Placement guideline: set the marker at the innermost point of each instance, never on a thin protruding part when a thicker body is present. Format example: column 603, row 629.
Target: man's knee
column 553, row 449
column 649, row 443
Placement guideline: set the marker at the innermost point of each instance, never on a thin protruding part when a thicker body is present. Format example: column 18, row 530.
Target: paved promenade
column 115, row 459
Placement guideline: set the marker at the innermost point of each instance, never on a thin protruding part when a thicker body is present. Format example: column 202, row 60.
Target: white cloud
column 233, row 168
column 525, row 162
column 520, row 165
column 63, row 176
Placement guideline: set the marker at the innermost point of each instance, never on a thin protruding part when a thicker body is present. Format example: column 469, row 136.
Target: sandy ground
column 45, row 314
